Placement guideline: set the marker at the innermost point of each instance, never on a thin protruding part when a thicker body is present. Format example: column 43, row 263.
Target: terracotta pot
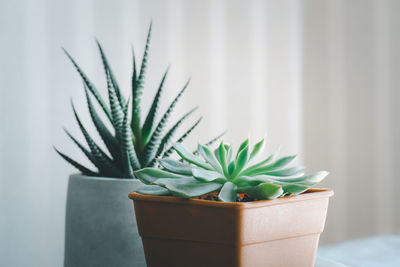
column 191, row 232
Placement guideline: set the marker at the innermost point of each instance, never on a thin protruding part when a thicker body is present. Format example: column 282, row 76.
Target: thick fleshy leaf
column 242, row 146
column 262, row 163
column 277, row 165
column 298, row 170
column 209, row 157
column 207, row 176
column 307, row 179
column 231, row 167
column 185, row 154
column 263, row 191
column 222, row 158
column 176, row 166
column 257, row 149
column 294, row 188
column 149, row 175
column 241, row 160
column 192, row 189
column 154, row 190
column 228, row 192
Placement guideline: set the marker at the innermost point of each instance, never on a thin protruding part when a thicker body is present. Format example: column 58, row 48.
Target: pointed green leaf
column 103, row 162
column 108, row 139
column 257, row 149
column 171, row 149
column 185, row 154
column 261, row 164
column 207, row 175
column 154, row 190
column 149, row 175
column 222, row 158
column 169, row 135
column 137, row 90
column 263, row 191
column 192, row 190
column 108, row 72
column 209, row 157
column 150, row 119
column 228, row 192
column 91, row 86
column 155, row 140
column 129, row 156
column 81, row 168
column 241, row 160
column 286, row 172
column 176, row 166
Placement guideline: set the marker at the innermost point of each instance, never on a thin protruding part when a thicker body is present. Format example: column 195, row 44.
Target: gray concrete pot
column 100, row 227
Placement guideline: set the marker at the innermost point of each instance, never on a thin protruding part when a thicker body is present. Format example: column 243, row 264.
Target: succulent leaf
column 209, row 157
column 188, row 190
column 176, row 166
column 154, row 190
column 263, row 191
column 209, row 172
column 257, row 149
column 149, row 175
column 206, row 175
column 228, row 192
column 185, row 154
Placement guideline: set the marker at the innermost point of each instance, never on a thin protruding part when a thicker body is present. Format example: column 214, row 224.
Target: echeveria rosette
column 228, row 173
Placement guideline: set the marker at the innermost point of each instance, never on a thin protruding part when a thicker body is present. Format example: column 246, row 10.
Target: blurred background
column 318, row 78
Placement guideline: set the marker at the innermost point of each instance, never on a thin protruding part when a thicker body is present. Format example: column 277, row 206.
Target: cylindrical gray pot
column 100, row 225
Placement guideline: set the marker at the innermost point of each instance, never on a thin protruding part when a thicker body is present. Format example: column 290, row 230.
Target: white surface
column 320, row 77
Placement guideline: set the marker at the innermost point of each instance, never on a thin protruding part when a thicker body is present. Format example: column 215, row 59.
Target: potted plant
column 220, row 209
column 100, row 230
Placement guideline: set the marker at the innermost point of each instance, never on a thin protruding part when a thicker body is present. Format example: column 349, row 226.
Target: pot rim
column 312, row 193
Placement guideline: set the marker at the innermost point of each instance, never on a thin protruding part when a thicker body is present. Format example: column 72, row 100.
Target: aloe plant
column 131, row 145
column 227, row 173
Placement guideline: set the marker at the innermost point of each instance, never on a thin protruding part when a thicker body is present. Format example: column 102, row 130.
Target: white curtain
column 316, row 77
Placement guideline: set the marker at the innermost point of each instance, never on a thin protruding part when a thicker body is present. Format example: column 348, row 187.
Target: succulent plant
column 131, row 145
column 227, row 173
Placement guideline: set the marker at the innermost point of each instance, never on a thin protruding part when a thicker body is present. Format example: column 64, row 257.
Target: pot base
column 285, row 252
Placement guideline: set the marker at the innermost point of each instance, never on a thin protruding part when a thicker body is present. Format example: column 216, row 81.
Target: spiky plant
column 131, row 145
column 228, row 175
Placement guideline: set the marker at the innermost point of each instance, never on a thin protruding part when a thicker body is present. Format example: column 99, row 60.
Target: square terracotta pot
column 191, row 232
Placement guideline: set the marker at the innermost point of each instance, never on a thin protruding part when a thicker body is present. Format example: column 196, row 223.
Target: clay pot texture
column 100, row 226
column 191, row 232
